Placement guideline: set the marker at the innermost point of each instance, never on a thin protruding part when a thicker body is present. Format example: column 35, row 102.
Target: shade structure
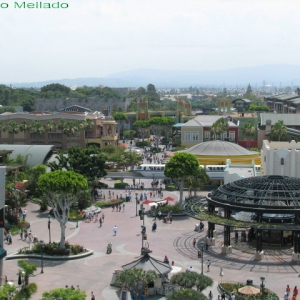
column 249, row 290
column 146, row 202
column 147, row 263
column 169, row 199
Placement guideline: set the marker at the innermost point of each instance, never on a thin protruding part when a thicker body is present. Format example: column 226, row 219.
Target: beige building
column 102, row 132
column 198, row 130
column 280, row 158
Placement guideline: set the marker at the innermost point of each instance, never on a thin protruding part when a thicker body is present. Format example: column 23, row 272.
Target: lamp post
column 136, row 203
column 262, row 284
column 202, row 250
column 42, row 258
column 153, row 182
column 49, row 227
column 76, row 203
column 143, row 212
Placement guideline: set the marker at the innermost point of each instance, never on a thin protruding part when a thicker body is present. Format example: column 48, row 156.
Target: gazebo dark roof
column 147, row 263
column 265, row 194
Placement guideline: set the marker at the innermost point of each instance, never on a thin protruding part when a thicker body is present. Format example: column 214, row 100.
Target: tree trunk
column 181, row 192
column 62, row 234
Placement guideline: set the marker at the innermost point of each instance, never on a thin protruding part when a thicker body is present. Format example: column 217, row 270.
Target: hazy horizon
column 97, row 38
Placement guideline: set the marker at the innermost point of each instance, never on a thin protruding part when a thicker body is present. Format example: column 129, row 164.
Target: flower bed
column 229, row 287
column 104, row 204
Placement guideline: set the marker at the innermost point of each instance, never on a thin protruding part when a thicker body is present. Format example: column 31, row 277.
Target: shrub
column 120, row 185
column 185, row 294
column 102, row 185
column 155, row 149
column 170, row 187
column 104, row 204
column 174, row 208
column 26, row 292
column 145, row 143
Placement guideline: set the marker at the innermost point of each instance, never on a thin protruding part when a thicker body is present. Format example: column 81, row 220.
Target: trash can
column 249, row 282
column 143, row 297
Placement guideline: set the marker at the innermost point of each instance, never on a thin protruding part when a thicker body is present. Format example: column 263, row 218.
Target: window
column 206, row 135
column 195, row 136
column 187, row 136
column 231, row 135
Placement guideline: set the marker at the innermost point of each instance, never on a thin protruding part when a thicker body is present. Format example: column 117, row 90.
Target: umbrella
column 169, row 199
column 147, row 202
column 249, row 290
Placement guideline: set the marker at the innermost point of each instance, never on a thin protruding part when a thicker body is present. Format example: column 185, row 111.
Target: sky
column 95, row 38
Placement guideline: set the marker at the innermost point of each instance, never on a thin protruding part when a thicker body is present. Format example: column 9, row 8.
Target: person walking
column 115, row 229
column 194, row 242
column 100, row 222
column 103, row 217
column 295, row 291
column 24, row 214
column 208, row 265
column 210, row 296
column 93, row 296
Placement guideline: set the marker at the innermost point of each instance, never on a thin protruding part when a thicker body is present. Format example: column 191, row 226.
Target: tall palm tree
column 198, row 180
column 89, row 124
column 249, row 131
column 220, row 126
column 38, row 128
column 80, row 125
column 12, row 128
column 50, row 127
column 25, row 127
column 279, row 132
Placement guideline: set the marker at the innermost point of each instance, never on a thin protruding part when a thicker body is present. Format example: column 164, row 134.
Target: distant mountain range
column 284, row 75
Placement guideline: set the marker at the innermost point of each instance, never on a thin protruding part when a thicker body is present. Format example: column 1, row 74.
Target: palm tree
column 80, row 127
column 89, row 124
column 38, row 129
column 25, row 127
column 249, row 131
column 50, row 127
column 198, row 180
column 278, row 131
column 12, row 128
column 2, row 127
column 220, row 126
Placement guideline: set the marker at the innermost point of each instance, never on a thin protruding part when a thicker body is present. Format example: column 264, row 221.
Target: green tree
column 50, row 127
column 61, row 189
column 64, row 294
column 189, row 280
column 279, row 132
column 89, row 162
column 249, row 131
column 198, row 180
column 120, row 118
column 128, row 134
column 6, row 291
column 27, row 268
column 219, row 127
column 38, row 129
column 185, row 294
column 33, row 177
column 141, row 126
column 249, row 89
column 135, row 280
column 25, row 126
column 181, row 166
column 12, row 128
column 56, row 87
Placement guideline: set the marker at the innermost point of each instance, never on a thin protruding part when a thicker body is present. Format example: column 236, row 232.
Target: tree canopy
column 219, row 127
column 61, row 190
column 135, row 280
column 279, row 132
column 181, row 166
column 249, row 131
column 56, row 87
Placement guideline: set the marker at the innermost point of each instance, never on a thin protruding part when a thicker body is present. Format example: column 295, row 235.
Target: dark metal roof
column 265, row 194
column 147, row 263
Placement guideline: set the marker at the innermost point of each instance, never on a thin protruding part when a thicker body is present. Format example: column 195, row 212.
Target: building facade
column 284, row 103
column 100, row 133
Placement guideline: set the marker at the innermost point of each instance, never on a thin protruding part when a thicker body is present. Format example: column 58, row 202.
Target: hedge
column 170, row 187
column 145, row 143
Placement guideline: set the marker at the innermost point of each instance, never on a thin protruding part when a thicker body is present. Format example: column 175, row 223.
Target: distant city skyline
column 96, row 38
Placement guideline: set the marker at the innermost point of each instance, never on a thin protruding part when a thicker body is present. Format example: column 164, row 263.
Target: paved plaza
column 175, row 240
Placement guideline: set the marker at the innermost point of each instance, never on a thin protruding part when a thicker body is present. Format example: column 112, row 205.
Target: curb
column 50, row 257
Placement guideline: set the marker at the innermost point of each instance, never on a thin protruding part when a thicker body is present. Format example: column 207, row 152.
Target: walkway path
column 94, row 273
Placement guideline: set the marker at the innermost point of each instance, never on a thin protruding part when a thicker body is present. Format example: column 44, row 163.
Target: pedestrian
column 210, row 296
column 286, row 296
column 294, row 297
column 100, row 222
column 295, row 291
column 113, row 208
column 194, row 242
column 78, row 288
column 24, row 214
column 102, row 217
column 123, row 207
column 232, row 296
column 93, row 296
column 208, row 265
column 115, row 229
column 21, row 234
column 288, row 289
column 171, row 219
column 191, row 269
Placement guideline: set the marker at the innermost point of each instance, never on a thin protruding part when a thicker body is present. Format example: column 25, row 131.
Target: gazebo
column 267, row 207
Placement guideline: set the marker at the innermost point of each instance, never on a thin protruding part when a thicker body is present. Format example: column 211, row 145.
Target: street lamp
column 49, row 225
column 262, row 284
column 136, row 203
column 143, row 212
column 76, row 203
column 153, row 182
column 202, row 250
column 42, row 260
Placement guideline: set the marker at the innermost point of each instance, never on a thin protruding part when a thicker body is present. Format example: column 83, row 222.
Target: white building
column 280, row 158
